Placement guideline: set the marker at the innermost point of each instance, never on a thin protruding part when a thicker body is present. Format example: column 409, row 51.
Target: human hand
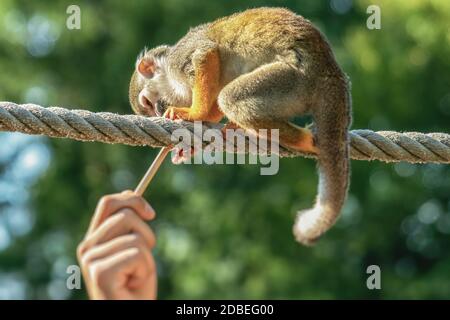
column 115, row 256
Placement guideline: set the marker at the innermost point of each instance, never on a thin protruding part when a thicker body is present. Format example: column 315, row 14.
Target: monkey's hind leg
column 265, row 99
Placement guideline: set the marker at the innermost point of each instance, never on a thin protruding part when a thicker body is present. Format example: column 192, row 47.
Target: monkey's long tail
column 333, row 141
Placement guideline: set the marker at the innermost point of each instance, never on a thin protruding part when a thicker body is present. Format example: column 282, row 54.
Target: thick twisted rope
column 388, row 146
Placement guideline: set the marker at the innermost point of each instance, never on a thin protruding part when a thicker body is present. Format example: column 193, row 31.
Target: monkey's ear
column 146, row 67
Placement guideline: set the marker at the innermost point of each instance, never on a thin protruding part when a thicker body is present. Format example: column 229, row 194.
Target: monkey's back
column 262, row 34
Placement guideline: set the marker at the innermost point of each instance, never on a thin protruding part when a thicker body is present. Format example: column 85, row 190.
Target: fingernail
column 149, row 209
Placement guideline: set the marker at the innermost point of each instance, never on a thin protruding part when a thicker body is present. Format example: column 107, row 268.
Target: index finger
column 110, row 204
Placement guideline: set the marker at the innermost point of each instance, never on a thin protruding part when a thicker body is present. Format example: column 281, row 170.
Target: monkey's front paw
column 174, row 113
column 181, row 155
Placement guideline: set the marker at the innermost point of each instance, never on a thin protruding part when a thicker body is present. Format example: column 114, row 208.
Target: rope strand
column 83, row 125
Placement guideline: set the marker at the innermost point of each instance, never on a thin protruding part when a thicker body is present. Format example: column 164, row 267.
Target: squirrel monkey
column 259, row 68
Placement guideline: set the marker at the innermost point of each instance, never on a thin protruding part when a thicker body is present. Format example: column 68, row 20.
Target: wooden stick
column 147, row 178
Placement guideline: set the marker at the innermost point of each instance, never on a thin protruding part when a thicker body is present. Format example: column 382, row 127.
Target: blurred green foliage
column 225, row 231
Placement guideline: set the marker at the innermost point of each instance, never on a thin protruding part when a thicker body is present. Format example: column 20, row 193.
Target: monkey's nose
column 146, row 105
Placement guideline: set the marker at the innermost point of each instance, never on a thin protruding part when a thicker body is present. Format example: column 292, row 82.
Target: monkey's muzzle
column 160, row 107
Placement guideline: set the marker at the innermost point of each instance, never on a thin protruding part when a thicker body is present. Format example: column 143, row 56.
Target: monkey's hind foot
column 303, row 141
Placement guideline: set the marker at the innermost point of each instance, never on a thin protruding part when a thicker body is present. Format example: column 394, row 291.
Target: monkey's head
column 149, row 82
